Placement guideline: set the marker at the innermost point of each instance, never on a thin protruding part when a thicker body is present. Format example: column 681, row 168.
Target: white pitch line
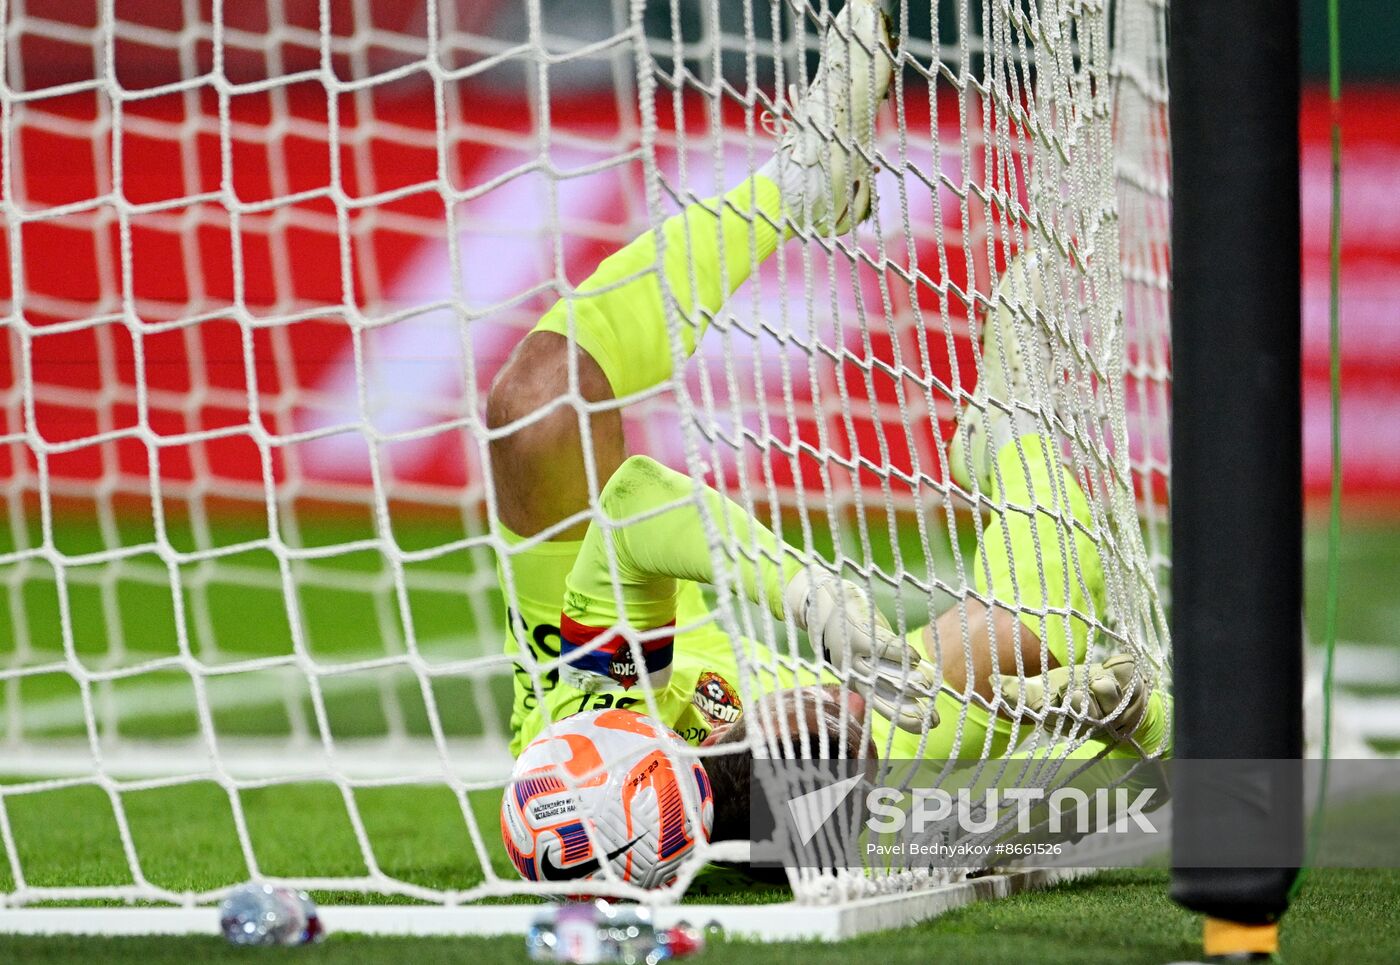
column 1374, row 718
column 389, row 760
column 138, row 701
column 1365, row 664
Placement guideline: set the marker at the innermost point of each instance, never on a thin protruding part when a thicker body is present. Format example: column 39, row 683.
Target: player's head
column 823, row 722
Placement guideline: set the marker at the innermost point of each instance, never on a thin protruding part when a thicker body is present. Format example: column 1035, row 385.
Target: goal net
column 261, row 264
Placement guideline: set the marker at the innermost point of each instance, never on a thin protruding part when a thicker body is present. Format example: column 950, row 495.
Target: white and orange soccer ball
column 646, row 807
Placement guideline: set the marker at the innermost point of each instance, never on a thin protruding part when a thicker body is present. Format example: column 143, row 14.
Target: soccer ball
column 644, row 806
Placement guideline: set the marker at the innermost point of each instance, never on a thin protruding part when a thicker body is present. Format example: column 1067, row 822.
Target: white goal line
column 783, row 921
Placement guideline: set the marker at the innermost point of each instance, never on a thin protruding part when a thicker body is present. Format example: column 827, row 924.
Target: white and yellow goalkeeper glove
column 1113, row 694
column 856, row 639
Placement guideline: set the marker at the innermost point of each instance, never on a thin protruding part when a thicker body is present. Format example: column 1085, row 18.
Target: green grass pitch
column 234, row 608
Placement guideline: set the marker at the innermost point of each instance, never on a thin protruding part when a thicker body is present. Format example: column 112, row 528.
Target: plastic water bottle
column 261, row 914
column 602, row 933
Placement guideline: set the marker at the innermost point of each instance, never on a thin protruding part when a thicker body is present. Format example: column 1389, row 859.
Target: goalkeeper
column 610, row 342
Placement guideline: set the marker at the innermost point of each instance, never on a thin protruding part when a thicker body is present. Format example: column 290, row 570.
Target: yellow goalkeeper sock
column 661, row 539
column 1031, row 559
column 618, row 314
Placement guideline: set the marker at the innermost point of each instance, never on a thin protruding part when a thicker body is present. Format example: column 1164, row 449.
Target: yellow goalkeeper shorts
column 703, row 691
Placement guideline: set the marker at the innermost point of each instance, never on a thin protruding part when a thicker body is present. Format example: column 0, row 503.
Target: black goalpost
column 1236, row 501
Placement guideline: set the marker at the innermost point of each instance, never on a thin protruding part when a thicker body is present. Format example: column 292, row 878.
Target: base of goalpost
column 787, row 921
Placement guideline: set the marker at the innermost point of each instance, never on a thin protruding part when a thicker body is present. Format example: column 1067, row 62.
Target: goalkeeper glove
column 856, row 639
column 1094, row 690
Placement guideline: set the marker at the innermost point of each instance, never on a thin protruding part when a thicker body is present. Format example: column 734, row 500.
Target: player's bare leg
column 538, row 468
column 995, row 639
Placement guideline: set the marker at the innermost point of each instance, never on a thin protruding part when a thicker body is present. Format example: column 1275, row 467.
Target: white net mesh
column 263, row 263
